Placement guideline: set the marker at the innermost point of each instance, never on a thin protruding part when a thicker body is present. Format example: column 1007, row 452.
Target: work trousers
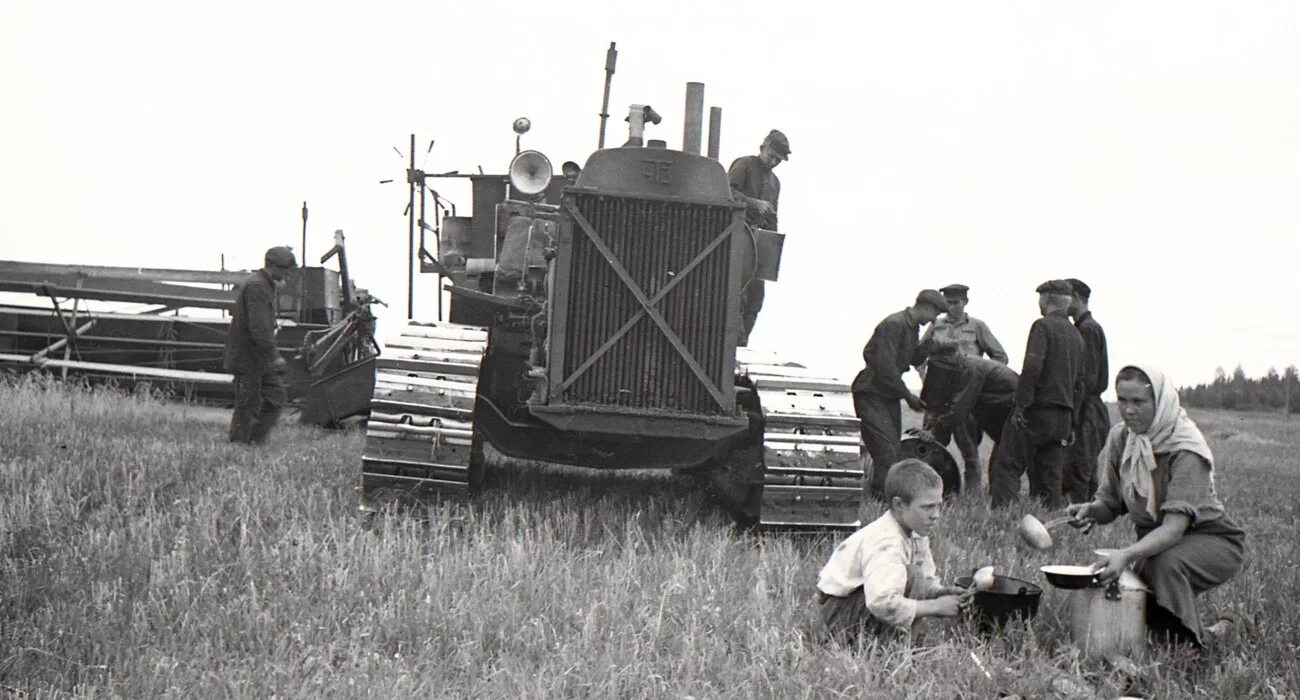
column 1039, row 446
column 751, row 302
column 1080, row 475
column 881, row 423
column 259, row 398
column 986, row 419
column 968, row 436
column 846, row 620
column 1202, row 559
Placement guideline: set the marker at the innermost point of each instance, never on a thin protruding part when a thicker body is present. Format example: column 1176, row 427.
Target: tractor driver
column 754, row 183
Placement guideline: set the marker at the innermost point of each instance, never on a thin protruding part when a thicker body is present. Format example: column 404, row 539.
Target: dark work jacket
column 892, row 348
column 751, row 181
column 250, row 342
column 1096, row 367
column 984, row 383
column 1052, row 373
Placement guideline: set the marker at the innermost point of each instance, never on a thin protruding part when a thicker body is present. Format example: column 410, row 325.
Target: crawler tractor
column 594, row 322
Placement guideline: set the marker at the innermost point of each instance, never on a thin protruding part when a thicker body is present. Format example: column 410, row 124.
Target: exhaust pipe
column 694, row 121
column 715, row 132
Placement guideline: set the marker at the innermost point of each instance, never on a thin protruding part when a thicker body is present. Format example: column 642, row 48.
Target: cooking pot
column 1006, row 599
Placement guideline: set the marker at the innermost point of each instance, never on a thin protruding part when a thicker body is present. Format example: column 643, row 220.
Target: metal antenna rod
column 611, row 57
column 304, row 234
column 410, row 238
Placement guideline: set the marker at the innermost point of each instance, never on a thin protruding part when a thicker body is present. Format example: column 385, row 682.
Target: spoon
column 1036, row 533
column 981, row 580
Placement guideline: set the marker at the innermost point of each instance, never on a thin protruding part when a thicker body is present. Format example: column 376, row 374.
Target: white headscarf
column 1171, row 431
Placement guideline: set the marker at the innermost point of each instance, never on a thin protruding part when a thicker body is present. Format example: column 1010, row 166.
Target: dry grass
column 144, row 557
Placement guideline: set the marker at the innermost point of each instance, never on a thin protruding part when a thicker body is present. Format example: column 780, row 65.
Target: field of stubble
column 143, row 556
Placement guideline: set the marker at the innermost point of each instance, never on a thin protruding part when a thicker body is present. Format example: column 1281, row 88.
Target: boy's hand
column 947, row 606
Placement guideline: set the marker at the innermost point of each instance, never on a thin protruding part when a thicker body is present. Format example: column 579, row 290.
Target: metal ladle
column 1037, row 534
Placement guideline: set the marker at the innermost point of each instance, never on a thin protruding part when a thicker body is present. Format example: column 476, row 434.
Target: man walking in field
column 972, row 338
column 879, row 387
column 251, row 354
column 1038, row 434
column 1093, row 425
column 754, row 183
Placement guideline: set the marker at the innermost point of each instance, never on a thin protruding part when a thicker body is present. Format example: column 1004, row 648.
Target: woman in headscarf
column 1157, row 467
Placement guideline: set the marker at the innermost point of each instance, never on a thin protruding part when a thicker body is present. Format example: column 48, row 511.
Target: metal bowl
column 1069, row 577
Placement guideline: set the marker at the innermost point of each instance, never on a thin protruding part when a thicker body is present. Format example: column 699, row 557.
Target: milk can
column 1110, row 619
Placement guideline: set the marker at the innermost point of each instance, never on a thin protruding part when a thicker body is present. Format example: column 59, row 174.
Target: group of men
column 1048, row 420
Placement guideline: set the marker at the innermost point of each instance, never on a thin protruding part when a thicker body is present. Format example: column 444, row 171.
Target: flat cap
column 1055, row 287
column 1083, row 291
column 779, row 143
column 955, row 290
column 933, row 298
column 280, row 256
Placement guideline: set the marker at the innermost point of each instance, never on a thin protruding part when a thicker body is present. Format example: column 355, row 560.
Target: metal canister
column 1110, row 619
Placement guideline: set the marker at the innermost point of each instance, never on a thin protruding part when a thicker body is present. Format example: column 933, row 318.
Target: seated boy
column 883, row 576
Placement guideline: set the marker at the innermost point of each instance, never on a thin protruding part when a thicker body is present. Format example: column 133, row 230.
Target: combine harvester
column 168, row 331
column 594, row 322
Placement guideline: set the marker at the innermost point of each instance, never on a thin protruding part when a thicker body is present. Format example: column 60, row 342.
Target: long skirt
column 1203, row 559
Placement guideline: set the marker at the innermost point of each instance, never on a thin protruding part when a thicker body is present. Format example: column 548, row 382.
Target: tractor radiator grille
column 653, row 240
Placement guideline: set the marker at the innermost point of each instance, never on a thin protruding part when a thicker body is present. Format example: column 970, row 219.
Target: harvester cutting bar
column 129, row 371
column 420, row 437
column 811, row 446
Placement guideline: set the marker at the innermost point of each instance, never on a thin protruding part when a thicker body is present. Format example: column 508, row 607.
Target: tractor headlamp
column 530, row 173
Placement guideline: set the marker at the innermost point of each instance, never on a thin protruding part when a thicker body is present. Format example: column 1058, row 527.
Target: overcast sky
column 1151, row 149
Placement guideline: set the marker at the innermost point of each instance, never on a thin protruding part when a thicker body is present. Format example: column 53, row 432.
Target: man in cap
column 964, row 390
column 1041, row 426
column 1080, row 479
column 971, row 337
column 251, row 354
column 754, row 183
column 879, row 387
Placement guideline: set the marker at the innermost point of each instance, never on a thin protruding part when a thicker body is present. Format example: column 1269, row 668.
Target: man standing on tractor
column 894, row 345
column 754, row 183
column 972, row 338
column 251, row 354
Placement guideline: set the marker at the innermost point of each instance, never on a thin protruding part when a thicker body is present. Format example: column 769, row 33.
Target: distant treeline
column 1272, row 392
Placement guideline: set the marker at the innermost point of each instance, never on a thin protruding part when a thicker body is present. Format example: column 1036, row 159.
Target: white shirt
column 893, row 568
